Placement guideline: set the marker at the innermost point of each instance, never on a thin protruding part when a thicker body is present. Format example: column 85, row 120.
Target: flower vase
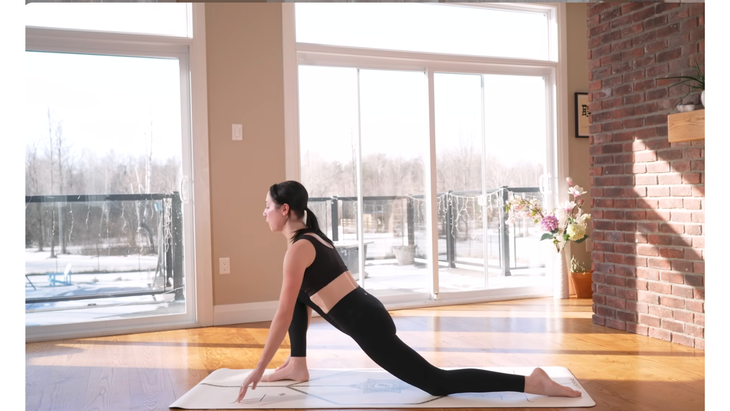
column 561, row 278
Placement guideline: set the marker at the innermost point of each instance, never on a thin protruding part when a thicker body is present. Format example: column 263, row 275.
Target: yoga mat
column 363, row 388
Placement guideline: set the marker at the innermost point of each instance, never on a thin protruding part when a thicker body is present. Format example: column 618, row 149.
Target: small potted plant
column 695, row 82
column 581, row 279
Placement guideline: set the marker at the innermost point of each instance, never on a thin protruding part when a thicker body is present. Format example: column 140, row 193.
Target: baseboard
column 264, row 311
column 244, row 313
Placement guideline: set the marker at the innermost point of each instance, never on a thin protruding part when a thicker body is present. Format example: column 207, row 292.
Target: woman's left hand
column 253, row 378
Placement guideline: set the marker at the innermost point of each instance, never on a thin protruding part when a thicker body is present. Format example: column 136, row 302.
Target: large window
column 109, row 216
column 388, row 93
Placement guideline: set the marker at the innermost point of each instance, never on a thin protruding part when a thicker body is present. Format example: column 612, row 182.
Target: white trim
column 63, row 40
column 431, row 191
column 244, row 313
column 291, row 94
column 100, row 329
column 562, row 106
column 264, row 311
column 201, row 171
column 318, row 54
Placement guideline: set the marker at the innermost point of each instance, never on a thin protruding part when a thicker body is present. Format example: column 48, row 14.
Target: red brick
column 683, row 292
column 694, row 280
column 606, row 312
column 682, row 339
column 657, row 71
column 623, row 248
column 682, row 266
column 669, row 202
column 660, row 239
column 681, row 216
column 692, row 203
column 660, row 288
column 683, row 316
column 633, row 123
column 629, row 7
column 698, row 242
column 671, row 302
column 648, row 228
column 700, row 343
column 699, row 319
column 624, row 226
column 656, row 119
column 650, row 320
column 693, row 229
column 695, row 330
column 664, row 7
column 660, row 334
column 696, row 306
column 692, row 254
column 670, row 228
column 615, row 324
column 642, row 15
column 672, row 325
column 659, row 263
column 599, row 320
column 698, row 216
column 668, row 30
column 636, row 261
column 626, row 316
column 647, row 203
column 680, row 191
column 671, row 252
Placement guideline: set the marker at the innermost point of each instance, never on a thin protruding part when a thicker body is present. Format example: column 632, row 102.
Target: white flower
column 576, row 232
column 563, row 213
column 570, row 181
column 576, row 191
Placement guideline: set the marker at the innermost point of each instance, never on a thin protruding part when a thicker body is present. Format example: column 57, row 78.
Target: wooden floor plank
column 148, row 371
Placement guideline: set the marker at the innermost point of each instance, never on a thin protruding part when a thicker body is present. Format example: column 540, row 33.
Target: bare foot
column 294, row 369
column 540, row 383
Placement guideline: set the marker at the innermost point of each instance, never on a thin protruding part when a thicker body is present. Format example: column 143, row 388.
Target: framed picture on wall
column 581, row 115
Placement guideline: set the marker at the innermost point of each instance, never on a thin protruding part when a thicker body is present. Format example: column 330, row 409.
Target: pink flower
column 549, row 223
column 570, row 181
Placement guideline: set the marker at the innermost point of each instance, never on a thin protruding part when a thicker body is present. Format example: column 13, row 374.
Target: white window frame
column 554, row 70
column 190, row 52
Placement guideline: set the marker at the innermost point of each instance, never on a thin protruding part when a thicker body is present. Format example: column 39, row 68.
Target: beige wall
column 578, row 82
column 245, row 86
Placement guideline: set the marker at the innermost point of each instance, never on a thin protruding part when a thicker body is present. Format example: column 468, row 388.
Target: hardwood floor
column 148, row 371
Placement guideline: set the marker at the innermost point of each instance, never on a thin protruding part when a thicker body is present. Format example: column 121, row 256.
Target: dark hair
column 293, row 193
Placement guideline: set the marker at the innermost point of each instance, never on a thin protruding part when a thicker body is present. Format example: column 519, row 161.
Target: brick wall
column 648, row 194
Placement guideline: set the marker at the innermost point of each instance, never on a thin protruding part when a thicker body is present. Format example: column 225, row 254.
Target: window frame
column 554, row 70
column 190, row 52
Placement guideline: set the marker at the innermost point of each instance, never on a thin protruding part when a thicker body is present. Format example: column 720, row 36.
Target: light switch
column 238, row 131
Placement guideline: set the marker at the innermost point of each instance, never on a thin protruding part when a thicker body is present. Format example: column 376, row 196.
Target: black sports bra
column 327, row 266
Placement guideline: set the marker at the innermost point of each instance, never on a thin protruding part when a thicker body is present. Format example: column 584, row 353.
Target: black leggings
column 365, row 319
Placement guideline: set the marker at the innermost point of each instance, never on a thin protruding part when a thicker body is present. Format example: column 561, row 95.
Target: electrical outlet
column 224, row 265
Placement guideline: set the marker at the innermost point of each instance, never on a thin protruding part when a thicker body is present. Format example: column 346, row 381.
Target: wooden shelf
column 686, row 126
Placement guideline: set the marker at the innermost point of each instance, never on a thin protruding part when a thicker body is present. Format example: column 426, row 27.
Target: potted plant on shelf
column 581, row 279
column 695, row 82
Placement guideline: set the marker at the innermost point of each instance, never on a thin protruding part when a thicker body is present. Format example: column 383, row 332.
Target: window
column 432, row 28
column 388, row 93
column 109, row 142
column 164, row 19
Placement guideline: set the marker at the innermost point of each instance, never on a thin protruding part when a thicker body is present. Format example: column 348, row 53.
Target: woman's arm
column 299, row 256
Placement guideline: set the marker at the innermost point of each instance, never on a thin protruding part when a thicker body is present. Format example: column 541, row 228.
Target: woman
column 315, row 277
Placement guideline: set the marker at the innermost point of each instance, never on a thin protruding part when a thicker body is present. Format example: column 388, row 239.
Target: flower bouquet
column 565, row 223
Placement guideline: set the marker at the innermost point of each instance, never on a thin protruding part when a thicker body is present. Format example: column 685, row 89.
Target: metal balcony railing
column 403, row 216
